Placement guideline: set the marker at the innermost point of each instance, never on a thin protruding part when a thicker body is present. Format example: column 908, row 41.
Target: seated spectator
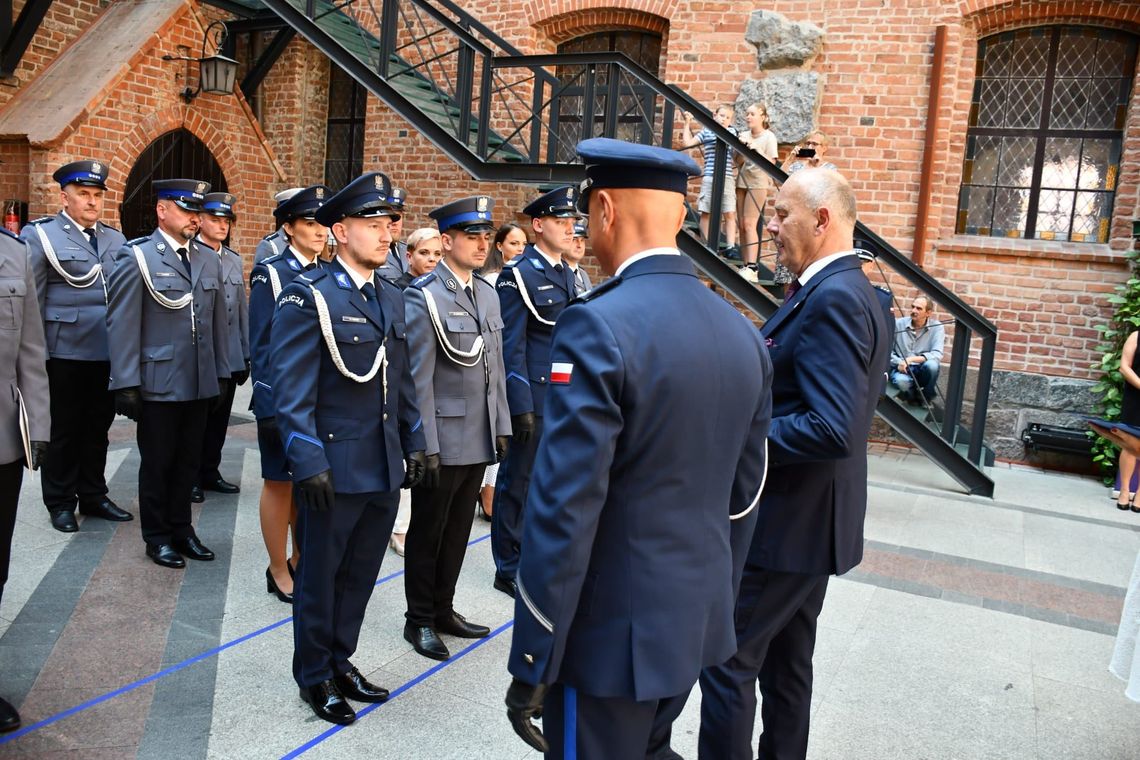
column 917, row 353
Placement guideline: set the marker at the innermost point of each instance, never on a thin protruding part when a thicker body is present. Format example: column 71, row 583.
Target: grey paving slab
column 939, row 533
column 845, row 605
column 1075, row 657
column 1090, row 552
column 1076, row 723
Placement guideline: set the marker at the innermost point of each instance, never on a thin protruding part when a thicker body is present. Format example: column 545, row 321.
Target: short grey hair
column 826, row 188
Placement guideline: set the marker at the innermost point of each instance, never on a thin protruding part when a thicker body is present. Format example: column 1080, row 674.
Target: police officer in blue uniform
column 575, row 255
column 166, row 321
column 305, row 238
column 71, row 256
column 646, row 480
column 397, row 264
column 216, row 222
column 276, row 241
column 346, row 410
column 455, row 334
column 533, row 288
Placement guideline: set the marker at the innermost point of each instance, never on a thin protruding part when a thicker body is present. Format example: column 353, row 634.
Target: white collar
column 300, row 257
column 356, row 278
column 67, row 216
column 174, row 245
column 819, row 264
column 453, row 273
column 553, row 262
column 644, row 255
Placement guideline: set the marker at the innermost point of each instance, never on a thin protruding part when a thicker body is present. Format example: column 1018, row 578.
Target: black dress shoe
column 271, row 588
column 191, row 547
column 64, row 521
column 106, row 510
column 164, row 554
column 457, row 625
column 221, row 486
column 9, row 718
column 196, row 495
column 355, row 686
column 506, row 585
column 425, row 641
column 328, row 703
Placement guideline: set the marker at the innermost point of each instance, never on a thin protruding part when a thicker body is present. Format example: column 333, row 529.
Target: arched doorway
column 173, row 155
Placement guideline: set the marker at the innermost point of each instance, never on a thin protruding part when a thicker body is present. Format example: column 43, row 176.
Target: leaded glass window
column 1045, row 133
column 344, row 135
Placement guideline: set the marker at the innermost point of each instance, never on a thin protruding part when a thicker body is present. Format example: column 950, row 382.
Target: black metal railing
column 508, row 117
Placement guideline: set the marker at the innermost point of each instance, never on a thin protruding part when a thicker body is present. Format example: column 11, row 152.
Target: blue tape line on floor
column 6, row 738
column 399, row 690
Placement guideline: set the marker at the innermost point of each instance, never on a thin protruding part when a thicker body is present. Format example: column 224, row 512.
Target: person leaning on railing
column 752, row 186
column 706, row 140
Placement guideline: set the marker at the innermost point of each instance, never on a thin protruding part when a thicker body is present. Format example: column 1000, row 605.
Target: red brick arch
column 169, row 119
column 988, row 16
column 575, row 23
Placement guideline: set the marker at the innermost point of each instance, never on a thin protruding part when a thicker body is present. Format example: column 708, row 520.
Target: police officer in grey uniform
column 397, row 264
column 71, row 255
column 22, row 372
column 455, row 337
column 276, row 241
column 215, row 224
column 575, row 255
column 166, row 320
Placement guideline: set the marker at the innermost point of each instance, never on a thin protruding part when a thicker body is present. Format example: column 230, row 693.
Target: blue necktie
column 373, row 299
column 90, row 233
column 184, row 256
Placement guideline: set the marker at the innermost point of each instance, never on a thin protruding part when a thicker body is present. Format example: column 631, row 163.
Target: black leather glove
column 317, row 492
column 431, row 472
column 223, row 389
column 502, row 444
column 522, row 426
column 269, row 424
column 524, row 703
column 127, row 403
column 39, row 454
column 414, row 465
column 240, row 376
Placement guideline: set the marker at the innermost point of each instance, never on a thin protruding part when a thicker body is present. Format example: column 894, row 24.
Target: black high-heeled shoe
column 1132, row 503
column 1124, row 507
column 271, row 587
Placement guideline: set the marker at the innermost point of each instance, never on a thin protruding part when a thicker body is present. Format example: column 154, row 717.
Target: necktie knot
column 369, row 291
column 185, row 258
column 90, row 233
column 558, row 268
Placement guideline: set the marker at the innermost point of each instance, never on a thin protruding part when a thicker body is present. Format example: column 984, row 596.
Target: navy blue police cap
column 397, row 199
column 283, row 195
column 219, row 204
column 366, row 196
column 621, row 164
column 89, row 173
column 559, row 202
column 303, row 204
column 187, row 194
column 468, row 214
column 581, row 229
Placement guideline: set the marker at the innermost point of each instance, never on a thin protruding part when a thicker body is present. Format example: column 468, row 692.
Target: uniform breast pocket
column 171, row 287
column 550, row 303
column 12, row 293
column 463, row 331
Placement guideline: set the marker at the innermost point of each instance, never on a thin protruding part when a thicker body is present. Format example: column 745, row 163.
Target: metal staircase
column 508, row 117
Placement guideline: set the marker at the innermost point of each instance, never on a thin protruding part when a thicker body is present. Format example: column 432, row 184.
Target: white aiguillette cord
column 456, row 355
column 165, row 301
column 75, row 281
column 381, row 360
column 526, row 298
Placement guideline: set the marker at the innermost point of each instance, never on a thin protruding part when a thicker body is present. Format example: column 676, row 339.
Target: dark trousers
column 169, row 435
column 437, row 541
column 217, row 424
column 775, row 629
column 82, row 410
column 578, row 725
column 10, row 477
column 341, row 552
column 510, row 498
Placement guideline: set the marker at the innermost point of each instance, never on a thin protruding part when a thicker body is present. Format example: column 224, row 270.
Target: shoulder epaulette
column 512, row 263
column 272, row 259
column 478, row 276
column 598, row 290
column 41, row 220
column 139, row 240
column 112, row 229
column 313, row 275
column 422, row 280
column 273, row 235
column 12, row 235
column 382, row 283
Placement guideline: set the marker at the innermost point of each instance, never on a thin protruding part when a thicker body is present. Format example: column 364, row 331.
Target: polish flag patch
column 561, row 372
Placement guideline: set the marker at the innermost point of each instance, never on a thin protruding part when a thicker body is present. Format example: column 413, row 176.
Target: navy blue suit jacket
column 653, row 440
column 829, row 345
column 326, row 420
column 526, row 340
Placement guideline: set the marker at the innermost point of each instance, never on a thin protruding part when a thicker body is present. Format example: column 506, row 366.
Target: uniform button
column 385, row 415
column 529, row 659
column 330, row 436
column 355, row 338
column 542, row 379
